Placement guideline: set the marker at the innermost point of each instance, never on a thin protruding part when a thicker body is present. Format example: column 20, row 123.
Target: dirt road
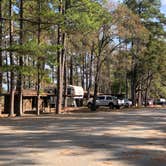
column 133, row 138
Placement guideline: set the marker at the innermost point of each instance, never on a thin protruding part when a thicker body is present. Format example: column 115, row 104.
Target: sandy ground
column 132, row 138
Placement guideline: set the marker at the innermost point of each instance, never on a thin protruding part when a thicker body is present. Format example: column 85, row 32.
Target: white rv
column 75, row 92
column 75, row 95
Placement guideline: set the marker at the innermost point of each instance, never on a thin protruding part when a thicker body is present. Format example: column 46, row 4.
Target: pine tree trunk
column 71, row 70
column 20, row 78
column 12, row 91
column 7, row 74
column 86, row 72
column 1, row 73
column 95, row 91
column 96, row 84
column 59, row 75
column 65, row 83
column 139, row 96
column 38, row 63
column 61, row 62
column 77, row 81
column 148, row 84
column 90, row 71
column 133, row 78
column 64, row 86
column 83, row 72
column 126, row 86
column 29, row 77
column 38, row 91
column 133, row 85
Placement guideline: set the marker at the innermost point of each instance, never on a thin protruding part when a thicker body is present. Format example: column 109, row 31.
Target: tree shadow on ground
column 133, row 138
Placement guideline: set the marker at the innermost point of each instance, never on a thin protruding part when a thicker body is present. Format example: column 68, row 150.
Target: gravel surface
column 130, row 138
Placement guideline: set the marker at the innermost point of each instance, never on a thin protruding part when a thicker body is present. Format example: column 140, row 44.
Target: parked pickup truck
column 106, row 100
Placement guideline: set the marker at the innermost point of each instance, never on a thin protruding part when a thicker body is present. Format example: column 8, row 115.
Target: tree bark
column 7, row 74
column 1, row 73
column 59, row 74
column 126, row 85
column 133, row 78
column 97, row 75
column 59, row 70
column 90, row 70
column 38, row 62
column 95, row 90
column 140, row 96
column 71, row 70
column 83, row 72
column 12, row 90
column 65, row 83
column 148, row 84
column 133, row 85
column 20, row 77
column 86, row 71
column 61, row 62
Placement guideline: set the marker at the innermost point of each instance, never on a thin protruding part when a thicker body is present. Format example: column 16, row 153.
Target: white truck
column 106, row 100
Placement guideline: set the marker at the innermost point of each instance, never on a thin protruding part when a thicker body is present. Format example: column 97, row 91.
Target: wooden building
column 29, row 101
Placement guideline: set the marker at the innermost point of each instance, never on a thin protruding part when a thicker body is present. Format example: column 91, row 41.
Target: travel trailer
column 75, row 92
column 75, row 95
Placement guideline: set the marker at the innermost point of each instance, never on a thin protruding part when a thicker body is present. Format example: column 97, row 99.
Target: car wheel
column 117, row 107
column 127, row 105
column 111, row 106
column 97, row 106
column 89, row 105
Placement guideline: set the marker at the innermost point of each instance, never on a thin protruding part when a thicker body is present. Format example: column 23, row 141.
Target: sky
column 163, row 6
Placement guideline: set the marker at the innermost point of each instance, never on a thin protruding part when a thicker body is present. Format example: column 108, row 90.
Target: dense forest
column 115, row 48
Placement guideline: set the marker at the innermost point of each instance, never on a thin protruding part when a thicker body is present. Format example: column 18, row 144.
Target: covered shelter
column 29, row 101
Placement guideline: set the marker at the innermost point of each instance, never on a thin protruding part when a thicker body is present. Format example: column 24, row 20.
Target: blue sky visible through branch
column 163, row 6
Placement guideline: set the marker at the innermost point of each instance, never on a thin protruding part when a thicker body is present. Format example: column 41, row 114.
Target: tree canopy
column 101, row 46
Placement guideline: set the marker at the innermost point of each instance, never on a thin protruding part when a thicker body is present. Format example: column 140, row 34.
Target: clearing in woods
column 136, row 138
